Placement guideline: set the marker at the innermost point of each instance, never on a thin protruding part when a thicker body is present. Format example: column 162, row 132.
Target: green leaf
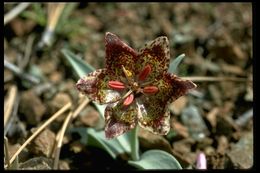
column 156, row 159
column 96, row 138
column 82, row 68
column 175, row 63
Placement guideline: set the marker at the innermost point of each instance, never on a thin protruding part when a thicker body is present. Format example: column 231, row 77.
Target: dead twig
column 13, row 116
column 244, row 118
column 54, row 12
column 7, row 157
column 10, row 103
column 15, row 12
column 44, row 125
column 61, row 133
column 27, row 52
column 17, row 71
column 215, row 79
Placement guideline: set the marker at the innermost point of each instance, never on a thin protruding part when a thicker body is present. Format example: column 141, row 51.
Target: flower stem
column 135, row 145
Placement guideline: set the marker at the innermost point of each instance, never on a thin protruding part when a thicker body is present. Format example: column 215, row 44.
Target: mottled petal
column 156, row 54
column 118, row 53
column 95, row 86
column 178, row 86
column 153, row 108
column 153, row 117
column 119, row 119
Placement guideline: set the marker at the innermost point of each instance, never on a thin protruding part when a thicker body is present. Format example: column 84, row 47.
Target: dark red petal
column 153, row 109
column 94, row 85
column 153, row 116
column 119, row 119
column 118, row 53
column 157, row 54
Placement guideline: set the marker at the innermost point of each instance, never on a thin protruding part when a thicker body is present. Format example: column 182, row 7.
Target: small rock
column 241, row 154
column 180, row 129
column 177, row 106
column 64, row 165
column 77, row 147
column 37, row 163
column 217, row 161
column 59, row 100
column 192, row 119
column 183, row 146
column 89, row 117
column 48, row 66
column 56, row 77
column 222, row 144
column 32, row 107
column 93, row 22
column 23, row 156
column 43, row 144
column 212, row 117
column 149, row 140
column 22, row 27
column 225, row 126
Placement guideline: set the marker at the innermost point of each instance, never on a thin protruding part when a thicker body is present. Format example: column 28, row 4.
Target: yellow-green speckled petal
column 156, row 54
column 119, row 119
column 118, row 53
column 153, row 108
column 95, row 86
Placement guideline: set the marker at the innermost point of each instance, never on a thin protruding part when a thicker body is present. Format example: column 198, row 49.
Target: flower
column 135, row 86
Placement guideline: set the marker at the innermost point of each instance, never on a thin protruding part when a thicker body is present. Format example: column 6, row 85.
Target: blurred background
column 216, row 38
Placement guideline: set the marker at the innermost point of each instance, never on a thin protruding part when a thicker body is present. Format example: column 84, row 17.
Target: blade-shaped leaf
column 156, row 159
column 81, row 68
column 175, row 63
column 95, row 138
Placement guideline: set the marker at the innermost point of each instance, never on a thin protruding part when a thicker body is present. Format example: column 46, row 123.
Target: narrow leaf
column 82, row 68
column 156, row 159
column 175, row 63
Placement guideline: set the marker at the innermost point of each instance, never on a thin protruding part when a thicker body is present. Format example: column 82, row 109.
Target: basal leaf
column 175, row 63
column 156, row 159
column 81, row 68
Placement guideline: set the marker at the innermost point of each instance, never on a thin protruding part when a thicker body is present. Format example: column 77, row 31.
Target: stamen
column 145, row 72
column 116, row 85
column 128, row 75
column 129, row 100
column 150, row 90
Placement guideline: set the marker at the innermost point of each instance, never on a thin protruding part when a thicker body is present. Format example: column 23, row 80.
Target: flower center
column 133, row 86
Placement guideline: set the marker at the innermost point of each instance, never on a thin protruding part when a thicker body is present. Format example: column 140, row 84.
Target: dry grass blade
column 61, row 133
column 55, row 11
column 10, row 103
column 51, row 119
column 7, row 157
column 17, row 71
column 214, row 79
column 28, row 49
column 15, row 11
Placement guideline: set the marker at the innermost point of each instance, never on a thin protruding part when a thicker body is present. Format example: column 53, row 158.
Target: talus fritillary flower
column 135, row 86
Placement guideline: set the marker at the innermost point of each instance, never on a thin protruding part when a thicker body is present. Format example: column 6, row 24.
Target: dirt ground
column 216, row 118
